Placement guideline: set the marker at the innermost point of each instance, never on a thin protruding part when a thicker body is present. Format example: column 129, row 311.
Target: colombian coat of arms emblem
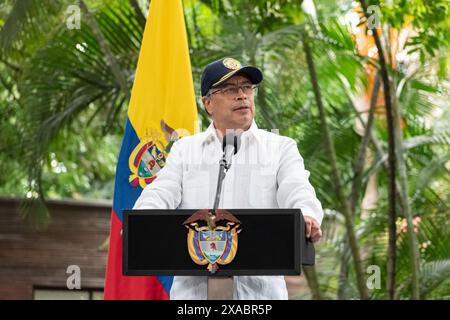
column 149, row 156
column 212, row 239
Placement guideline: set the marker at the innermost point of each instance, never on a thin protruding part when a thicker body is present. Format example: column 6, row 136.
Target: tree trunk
column 356, row 186
column 404, row 198
column 344, row 268
column 392, row 248
column 313, row 282
column 358, row 168
column 345, row 206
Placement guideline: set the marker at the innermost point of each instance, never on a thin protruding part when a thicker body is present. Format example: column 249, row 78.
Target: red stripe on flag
column 120, row 287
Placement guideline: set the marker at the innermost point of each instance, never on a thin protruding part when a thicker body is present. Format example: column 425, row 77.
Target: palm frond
column 27, row 22
column 434, row 274
column 442, row 138
column 70, row 74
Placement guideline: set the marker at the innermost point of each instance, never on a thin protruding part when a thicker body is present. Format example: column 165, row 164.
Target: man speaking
column 267, row 172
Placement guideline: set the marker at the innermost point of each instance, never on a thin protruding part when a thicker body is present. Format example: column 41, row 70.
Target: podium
column 272, row 242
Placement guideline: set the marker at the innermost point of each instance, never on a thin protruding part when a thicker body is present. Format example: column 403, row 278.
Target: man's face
column 231, row 109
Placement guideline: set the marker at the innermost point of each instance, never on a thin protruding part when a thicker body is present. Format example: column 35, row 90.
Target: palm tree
column 76, row 74
column 66, row 84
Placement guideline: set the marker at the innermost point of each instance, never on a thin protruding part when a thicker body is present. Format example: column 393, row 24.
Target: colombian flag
column 162, row 108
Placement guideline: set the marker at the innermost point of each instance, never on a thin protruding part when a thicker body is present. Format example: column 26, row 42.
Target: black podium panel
column 271, row 243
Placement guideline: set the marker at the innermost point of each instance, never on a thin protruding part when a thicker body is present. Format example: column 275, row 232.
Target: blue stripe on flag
column 125, row 195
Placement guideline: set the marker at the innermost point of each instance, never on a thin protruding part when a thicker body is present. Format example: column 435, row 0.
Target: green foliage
column 63, row 112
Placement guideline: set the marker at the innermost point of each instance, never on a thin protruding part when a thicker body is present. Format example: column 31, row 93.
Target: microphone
column 230, row 146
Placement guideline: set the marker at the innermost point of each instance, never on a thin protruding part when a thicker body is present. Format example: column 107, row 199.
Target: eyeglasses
column 232, row 91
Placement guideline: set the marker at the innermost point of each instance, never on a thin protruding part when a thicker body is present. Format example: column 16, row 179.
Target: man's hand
column 313, row 230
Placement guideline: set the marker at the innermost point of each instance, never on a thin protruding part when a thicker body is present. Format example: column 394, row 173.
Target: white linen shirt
column 267, row 172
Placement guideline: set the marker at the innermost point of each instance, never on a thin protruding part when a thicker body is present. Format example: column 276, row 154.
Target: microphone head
column 232, row 139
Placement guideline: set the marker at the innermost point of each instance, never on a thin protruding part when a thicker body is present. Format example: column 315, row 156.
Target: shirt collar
column 210, row 133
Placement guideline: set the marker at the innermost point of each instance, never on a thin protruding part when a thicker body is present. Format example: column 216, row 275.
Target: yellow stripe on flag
column 163, row 88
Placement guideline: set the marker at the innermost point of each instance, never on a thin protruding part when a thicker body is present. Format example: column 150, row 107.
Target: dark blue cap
column 218, row 71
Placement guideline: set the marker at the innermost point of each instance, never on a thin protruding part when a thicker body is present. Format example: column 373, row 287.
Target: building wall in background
column 32, row 261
